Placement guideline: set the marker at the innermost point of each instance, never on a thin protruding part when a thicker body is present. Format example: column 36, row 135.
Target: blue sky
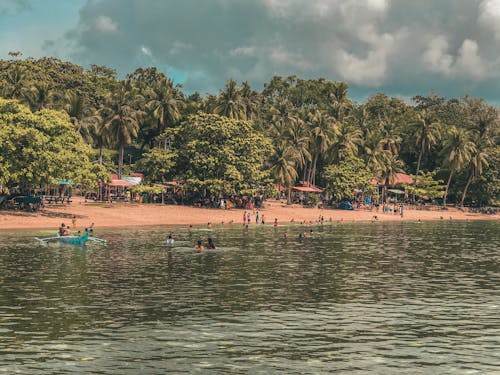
column 399, row 47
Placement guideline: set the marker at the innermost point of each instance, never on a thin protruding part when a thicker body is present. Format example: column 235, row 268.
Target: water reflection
column 361, row 298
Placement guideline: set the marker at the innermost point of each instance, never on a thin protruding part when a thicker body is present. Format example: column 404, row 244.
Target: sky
column 399, row 47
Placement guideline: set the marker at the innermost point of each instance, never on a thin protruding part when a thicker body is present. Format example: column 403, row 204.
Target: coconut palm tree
column 347, row 142
column 324, row 130
column 427, row 131
column 388, row 174
column 458, row 150
column 283, row 164
column 281, row 116
column 122, row 119
column 79, row 114
column 39, row 96
column 16, row 84
column 165, row 104
column 484, row 123
column 298, row 139
column 250, row 100
column 230, row 102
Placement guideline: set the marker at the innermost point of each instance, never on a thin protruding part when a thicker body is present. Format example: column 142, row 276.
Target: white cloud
column 436, row 58
column 489, row 16
column 105, row 24
column 145, row 50
column 467, row 63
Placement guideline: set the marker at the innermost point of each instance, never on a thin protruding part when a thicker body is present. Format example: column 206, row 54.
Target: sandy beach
column 116, row 215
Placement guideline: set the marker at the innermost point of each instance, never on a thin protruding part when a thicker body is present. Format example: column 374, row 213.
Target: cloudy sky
column 399, row 47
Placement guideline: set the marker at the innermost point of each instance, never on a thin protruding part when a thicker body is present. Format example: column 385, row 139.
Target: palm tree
column 77, row 109
column 40, row 96
column 347, row 142
column 122, row 119
column 388, row 174
column 16, row 83
column 250, row 100
column 484, row 122
column 339, row 101
column 458, row 150
column 324, row 130
column 427, row 130
column 283, row 164
column 230, row 102
column 296, row 136
column 281, row 116
column 165, row 104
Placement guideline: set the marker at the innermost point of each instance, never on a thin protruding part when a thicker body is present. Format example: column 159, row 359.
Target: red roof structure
column 121, row 183
column 307, row 187
column 401, row 178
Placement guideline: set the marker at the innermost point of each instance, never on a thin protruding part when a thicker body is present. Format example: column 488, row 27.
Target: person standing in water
column 199, row 246
column 210, row 244
column 275, row 222
column 170, row 240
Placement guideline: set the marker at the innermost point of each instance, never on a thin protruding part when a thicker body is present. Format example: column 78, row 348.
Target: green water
column 395, row 298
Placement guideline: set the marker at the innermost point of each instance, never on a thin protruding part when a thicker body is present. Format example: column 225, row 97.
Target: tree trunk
column 289, row 198
column 422, row 146
column 120, row 162
column 312, row 171
column 446, row 190
column 100, row 154
column 465, row 189
column 304, row 175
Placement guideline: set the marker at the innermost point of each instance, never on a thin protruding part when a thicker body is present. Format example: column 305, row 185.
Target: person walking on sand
column 73, row 221
column 244, row 217
column 263, row 221
column 257, row 218
column 248, row 217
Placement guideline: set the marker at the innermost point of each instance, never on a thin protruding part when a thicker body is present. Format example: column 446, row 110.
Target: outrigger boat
column 72, row 240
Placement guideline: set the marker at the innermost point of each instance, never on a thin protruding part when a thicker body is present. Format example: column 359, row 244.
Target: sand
column 114, row 215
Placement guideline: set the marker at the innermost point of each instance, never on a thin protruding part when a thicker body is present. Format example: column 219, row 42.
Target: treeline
column 240, row 140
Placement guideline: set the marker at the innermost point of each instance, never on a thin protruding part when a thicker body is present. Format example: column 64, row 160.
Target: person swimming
column 170, row 240
column 63, row 231
column 210, row 244
column 199, row 246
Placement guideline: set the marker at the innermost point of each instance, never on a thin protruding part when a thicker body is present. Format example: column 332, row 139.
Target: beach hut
column 303, row 190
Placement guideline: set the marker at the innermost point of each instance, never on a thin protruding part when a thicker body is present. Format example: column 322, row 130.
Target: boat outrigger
column 72, row 240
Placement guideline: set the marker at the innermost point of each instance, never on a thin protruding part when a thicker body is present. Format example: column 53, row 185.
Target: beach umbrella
column 396, row 191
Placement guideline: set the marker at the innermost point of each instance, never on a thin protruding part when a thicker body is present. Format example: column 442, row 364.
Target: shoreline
column 127, row 215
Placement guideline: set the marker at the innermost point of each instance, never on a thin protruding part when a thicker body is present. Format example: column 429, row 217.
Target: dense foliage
column 294, row 130
column 42, row 147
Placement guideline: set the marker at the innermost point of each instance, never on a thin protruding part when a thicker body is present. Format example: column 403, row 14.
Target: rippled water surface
column 411, row 298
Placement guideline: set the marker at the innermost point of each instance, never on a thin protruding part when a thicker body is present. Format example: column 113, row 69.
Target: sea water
column 381, row 298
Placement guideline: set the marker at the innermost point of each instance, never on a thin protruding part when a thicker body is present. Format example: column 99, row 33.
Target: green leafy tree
column 344, row 178
column 217, row 154
column 156, row 164
column 426, row 186
column 38, row 148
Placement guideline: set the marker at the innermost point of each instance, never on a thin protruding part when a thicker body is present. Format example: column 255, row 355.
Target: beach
column 116, row 215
